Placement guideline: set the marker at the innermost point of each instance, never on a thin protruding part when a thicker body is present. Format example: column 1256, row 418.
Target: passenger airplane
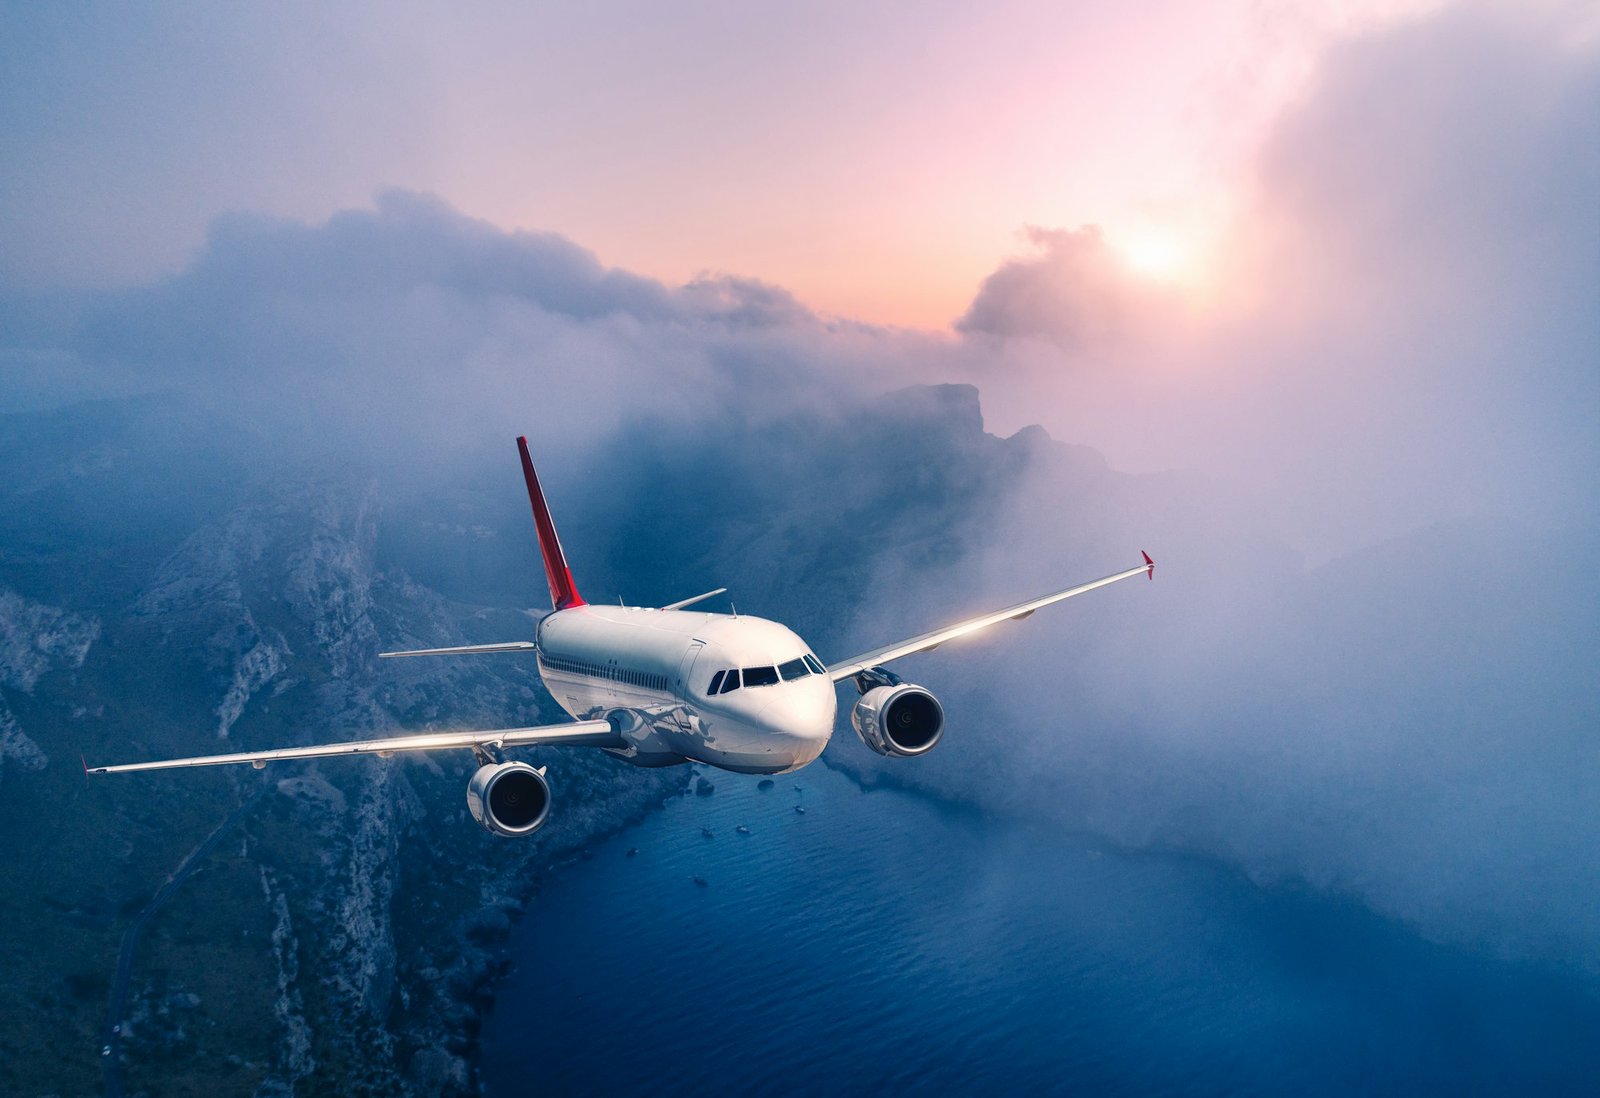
column 659, row 686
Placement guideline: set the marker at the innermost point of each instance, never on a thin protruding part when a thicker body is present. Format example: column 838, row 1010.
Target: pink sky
column 877, row 160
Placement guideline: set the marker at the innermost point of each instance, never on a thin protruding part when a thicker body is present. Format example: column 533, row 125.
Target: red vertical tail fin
column 563, row 592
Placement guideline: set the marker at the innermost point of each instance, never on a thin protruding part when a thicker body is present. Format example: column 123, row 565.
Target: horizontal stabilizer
column 466, row 650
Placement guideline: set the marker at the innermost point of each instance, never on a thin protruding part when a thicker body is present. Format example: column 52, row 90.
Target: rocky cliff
column 341, row 937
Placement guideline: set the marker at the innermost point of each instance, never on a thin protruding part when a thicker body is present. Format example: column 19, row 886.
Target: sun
column 1156, row 256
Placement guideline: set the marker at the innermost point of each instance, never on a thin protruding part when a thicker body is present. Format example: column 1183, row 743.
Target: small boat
column 699, row 880
column 800, row 808
column 742, row 829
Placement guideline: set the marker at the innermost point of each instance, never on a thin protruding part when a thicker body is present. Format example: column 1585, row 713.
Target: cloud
column 1455, row 154
column 1072, row 293
column 410, row 324
column 1358, row 665
column 1403, row 326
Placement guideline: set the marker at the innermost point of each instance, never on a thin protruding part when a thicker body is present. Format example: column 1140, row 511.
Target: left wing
column 845, row 669
column 571, row 734
column 465, row 650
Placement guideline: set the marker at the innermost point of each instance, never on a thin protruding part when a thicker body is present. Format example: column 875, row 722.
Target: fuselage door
column 686, row 670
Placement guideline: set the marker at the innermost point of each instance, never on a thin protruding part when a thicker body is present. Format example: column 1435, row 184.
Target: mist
column 1368, row 479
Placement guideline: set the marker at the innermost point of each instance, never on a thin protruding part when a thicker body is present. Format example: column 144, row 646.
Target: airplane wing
column 681, row 603
column 464, row 650
column 571, row 734
column 845, row 669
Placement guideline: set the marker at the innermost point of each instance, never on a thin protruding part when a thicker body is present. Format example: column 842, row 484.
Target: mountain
column 340, row 936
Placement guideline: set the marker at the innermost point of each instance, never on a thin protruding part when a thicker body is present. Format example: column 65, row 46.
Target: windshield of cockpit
column 736, row 678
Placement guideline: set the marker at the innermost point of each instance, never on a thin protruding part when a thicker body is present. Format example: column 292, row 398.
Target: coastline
column 451, row 1060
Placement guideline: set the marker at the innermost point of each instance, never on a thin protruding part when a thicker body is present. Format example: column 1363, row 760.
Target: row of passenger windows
column 627, row 675
column 724, row 681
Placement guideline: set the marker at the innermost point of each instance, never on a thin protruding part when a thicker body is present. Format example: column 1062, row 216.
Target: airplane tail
column 563, row 592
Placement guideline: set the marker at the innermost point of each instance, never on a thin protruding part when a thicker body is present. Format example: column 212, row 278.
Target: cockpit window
column 760, row 676
column 794, row 669
column 716, row 683
column 814, row 663
column 731, row 682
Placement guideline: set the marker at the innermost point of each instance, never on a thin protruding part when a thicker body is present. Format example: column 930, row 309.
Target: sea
column 806, row 935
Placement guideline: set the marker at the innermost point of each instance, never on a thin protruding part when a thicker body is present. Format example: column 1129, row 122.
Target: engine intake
column 509, row 798
column 901, row 719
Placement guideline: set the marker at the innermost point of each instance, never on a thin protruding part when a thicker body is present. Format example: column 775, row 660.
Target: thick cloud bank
column 413, row 323
column 1403, row 382
column 1403, row 324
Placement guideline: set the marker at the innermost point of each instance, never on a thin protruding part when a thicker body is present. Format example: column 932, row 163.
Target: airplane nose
column 803, row 720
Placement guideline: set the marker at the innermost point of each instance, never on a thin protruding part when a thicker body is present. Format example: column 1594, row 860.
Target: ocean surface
column 886, row 941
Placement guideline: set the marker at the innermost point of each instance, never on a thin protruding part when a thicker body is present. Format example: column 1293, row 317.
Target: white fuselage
column 651, row 672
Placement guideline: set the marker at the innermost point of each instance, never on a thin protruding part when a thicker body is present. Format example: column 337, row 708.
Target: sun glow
column 1156, row 256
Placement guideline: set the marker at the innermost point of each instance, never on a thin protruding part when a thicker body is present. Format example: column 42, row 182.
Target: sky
column 1286, row 245
column 878, row 160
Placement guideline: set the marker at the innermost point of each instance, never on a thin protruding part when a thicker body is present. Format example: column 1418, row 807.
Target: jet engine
column 898, row 719
column 509, row 798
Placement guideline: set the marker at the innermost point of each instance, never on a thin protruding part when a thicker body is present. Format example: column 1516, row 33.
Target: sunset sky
column 878, row 160
column 1343, row 255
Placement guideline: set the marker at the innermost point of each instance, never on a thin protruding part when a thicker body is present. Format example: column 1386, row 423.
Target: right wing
column 571, row 734
column 681, row 603
column 845, row 669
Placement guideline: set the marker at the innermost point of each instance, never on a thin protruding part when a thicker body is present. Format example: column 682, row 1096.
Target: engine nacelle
column 509, row 798
column 901, row 719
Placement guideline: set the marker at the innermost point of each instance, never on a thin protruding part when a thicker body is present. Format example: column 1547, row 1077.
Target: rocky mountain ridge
column 357, row 889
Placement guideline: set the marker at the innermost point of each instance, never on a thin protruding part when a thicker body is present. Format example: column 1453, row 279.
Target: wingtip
column 1149, row 565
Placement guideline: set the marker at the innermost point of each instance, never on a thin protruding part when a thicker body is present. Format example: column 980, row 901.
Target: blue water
column 884, row 941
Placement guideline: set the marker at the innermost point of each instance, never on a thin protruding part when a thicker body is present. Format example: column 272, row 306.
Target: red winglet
column 563, row 592
column 1149, row 565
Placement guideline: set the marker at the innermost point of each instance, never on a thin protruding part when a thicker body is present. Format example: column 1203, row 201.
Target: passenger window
column 760, row 676
column 731, row 682
column 716, row 683
column 794, row 669
column 815, row 664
